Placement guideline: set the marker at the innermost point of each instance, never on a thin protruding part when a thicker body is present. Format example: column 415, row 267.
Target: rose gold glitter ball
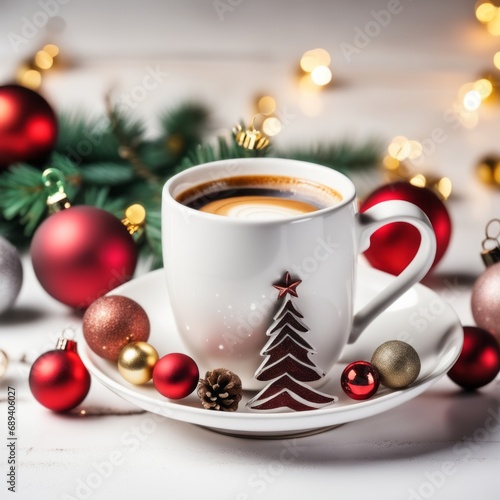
column 112, row 322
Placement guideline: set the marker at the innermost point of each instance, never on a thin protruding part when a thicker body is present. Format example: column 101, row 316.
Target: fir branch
column 9, row 229
column 86, row 140
column 129, row 135
column 185, row 126
column 152, row 235
column 107, row 174
column 22, row 196
column 224, row 149
column 346, row 157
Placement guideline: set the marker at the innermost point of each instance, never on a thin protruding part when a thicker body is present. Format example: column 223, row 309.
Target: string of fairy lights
column 29, row 73
column 314, row 75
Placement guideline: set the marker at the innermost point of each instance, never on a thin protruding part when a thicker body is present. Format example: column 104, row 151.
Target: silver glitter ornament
column 11, row 275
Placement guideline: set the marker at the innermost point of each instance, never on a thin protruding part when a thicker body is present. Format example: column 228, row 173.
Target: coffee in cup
column 259, row 197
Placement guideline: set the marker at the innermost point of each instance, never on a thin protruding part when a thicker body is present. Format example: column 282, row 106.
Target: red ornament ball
column 393, row 246
column 112, row 322
column 28, row 127
column 176, row 375
column 485, row 300
column 81, row 253
column 479, row 361
column 360, row 380
column 58, row 379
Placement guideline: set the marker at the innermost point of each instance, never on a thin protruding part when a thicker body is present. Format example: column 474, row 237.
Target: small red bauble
column 360, row 380
column 479, row 361
column 393, row 246
column 176, row 375
column 58, row 379
column 81, row 253
column 28, row 126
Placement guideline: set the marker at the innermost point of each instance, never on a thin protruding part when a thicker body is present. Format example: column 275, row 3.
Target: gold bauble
column 136, row 362
column 398, row 364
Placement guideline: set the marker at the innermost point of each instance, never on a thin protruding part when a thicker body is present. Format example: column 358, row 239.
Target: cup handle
column 366, row 224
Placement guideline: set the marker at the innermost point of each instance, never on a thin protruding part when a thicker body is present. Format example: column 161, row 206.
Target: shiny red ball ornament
column 28, row 126
column 393, row 246
column 58, row 379
column 81, row 253
column 479, row 361
column 176, row 375
column 360, row 380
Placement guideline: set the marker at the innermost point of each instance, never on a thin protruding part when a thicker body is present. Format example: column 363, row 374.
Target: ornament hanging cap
column 57, row 199
column 64, row 343
column 491, row 256
column 135, row 218
column 250, row 138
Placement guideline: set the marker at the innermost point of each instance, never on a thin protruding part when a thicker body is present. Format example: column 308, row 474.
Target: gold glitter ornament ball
column 136, row 362
column 112, row 322
column 397, row 363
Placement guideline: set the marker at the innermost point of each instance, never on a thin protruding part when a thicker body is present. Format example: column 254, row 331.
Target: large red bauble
column 81, row 253
column 28, row 127
column 393, row 246
column 58, row 379
column 176, row 375
column 479, row 361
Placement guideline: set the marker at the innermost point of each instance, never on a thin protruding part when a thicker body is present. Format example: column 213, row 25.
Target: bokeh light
column 321, row 75
column 266, row 105
column 315, row 68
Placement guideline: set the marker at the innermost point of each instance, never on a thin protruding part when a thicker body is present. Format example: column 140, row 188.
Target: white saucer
column 419, row 317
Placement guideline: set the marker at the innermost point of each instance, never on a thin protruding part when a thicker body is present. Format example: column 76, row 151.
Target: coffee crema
column 259, row 197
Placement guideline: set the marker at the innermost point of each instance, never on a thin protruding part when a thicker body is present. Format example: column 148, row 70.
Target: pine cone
column 220, row 390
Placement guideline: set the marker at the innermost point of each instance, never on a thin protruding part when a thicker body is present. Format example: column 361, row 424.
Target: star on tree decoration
column 289, row 286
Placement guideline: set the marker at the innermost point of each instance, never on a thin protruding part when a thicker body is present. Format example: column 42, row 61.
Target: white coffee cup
column 221, row 270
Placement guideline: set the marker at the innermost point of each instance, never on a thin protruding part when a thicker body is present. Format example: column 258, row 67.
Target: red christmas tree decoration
column 287, row 365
